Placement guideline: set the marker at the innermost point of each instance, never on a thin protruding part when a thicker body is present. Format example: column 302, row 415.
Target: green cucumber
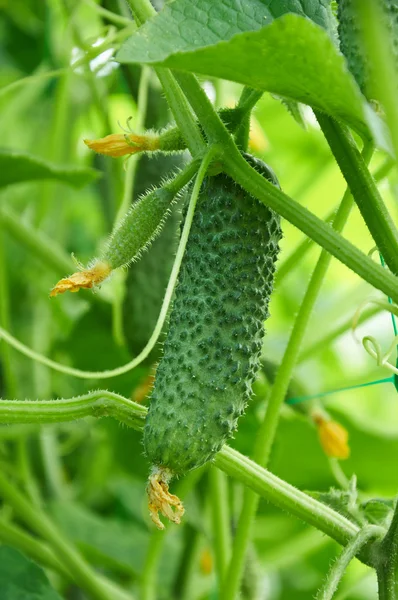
column 213, row 346
column 351, row 43
column 147, row 278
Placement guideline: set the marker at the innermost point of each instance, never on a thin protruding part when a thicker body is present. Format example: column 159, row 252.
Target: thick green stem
column 100, row 403
column 363, row 188
column 267, row 431
column 315, row 228
column 285, row 496
column 339, row 567
column 230, row 461
column 386, row 561
column 253, row 182
column 220, row 520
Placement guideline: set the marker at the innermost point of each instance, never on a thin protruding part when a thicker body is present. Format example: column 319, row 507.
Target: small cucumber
column 213, row 346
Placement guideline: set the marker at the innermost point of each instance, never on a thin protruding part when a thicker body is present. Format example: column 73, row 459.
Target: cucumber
column 351, row 44
column 213, row 346
column 147, row 278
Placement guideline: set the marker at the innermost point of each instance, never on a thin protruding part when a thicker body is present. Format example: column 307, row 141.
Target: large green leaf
column 292, row 57
column 188, row 25
column 22, row 579
column 17, row 167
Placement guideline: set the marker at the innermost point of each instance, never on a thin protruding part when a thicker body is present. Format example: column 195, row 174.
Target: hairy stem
column 230, row 461
column 363, row 188
column 220, row 520
column 338, row 569
column 285, row 496
column 386, row 560
column 100, row 403
column 236, row 166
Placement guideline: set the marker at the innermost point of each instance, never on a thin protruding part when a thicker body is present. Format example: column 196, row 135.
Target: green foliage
column 211, row 352
column 21, row 578
column 89, row 476
column 302, row 64
column 16, row 167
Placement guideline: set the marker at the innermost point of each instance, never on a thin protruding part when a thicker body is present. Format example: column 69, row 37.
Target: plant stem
column 291, row 262
column 163, row 312
column 82, row 573
column 149, row 573
column 386, row 561
column 100, row 403
column 253, row 182
column 9, row 375
column 220, row 519
column 266, row 434
column 230, row 461
column 149, row 579
column 315, row 228
column 324, row 341
column 363, row 188
column 285, row 496
column 127, row 199
column 338, row 569
column 142, row 11
column 249, row 99
column 182, row 588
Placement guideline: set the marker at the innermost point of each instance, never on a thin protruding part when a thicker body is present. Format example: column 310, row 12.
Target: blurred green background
column 91, row 474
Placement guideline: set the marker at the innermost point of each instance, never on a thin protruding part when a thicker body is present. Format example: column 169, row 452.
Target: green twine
column 344, row 389
column 394, row 326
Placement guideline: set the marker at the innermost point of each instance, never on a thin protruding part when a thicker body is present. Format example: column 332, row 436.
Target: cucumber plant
column 212, row 298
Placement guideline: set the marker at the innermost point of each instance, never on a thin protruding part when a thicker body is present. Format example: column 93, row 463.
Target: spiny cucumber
column 351, row 43
column 147, row 278
column 212, row 350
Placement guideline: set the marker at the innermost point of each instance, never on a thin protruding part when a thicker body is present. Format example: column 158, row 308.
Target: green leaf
column 21, row 578
column 378, row 511
column 187, row 25
column 292, row 57
column 17, row 167
column 109, row 542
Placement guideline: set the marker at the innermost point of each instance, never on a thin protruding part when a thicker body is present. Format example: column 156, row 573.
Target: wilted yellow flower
column 86, row 278
column 122, row 144
column 333, row 437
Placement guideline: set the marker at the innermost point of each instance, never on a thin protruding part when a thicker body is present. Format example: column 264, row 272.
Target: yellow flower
column 86, row 278
column 333, row 437
column 122, row 144
column 206, row 562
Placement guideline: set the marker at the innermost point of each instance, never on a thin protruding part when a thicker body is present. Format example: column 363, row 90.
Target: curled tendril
column 369, row 342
